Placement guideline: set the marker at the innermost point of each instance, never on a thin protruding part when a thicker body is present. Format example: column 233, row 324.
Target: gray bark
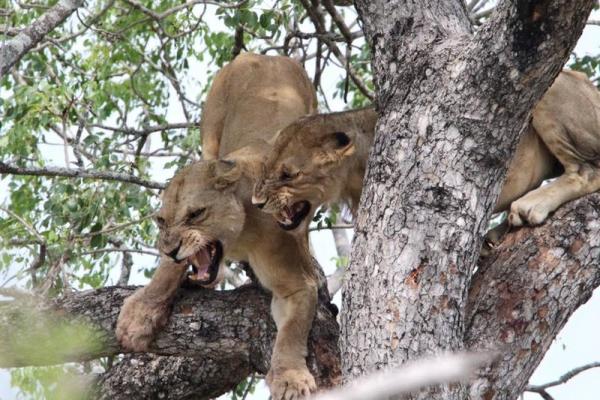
column 452, row 105
column 14, row 49
column 525, row 291
column 222, row 336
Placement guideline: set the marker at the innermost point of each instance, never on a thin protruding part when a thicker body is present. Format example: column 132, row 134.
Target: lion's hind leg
column 535, row 206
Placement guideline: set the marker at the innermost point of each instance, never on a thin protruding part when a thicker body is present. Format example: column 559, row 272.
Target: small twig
column 541, row 389
column 26, row 224
column 121, row 250
column 188, row 4
column 114, row 227
column 324, row 228
column 338, row 20
column 148, row 130
column 52, row 274
column 126, row 263
column 249, row 386
column 315, row 16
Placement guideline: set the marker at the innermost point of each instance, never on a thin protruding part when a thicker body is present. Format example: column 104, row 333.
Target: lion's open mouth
column 293, row 216
column 205, row 263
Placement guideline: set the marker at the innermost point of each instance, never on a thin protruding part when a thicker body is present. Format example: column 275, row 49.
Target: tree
column 443, row 91
column 113, row 95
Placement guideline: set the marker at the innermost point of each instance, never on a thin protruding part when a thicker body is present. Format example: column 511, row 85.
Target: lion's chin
column 293, row 216
column 205, row 263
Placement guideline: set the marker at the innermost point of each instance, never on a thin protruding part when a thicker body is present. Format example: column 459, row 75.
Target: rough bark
column 526, row 290
column 148, row 376
column 227, row 334
column 14, row 49
column 452, row 105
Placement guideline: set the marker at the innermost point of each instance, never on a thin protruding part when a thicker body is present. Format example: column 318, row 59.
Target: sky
column 576, row 345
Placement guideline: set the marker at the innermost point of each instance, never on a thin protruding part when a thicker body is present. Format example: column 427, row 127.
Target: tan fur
column 565, row 130
column 231, row 121
column 250, row 101
column 321, row 170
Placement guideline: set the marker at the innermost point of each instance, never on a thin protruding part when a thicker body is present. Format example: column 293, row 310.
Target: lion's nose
column 173, row 254
column 258, row 202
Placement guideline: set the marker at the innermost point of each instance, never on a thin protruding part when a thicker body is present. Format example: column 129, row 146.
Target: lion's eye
column 285, row 176
column 196, row 213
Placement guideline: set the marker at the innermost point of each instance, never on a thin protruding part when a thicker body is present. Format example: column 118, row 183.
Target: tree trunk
column 452, row 106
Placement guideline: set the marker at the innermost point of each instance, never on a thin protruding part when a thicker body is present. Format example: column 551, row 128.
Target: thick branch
column 13, row 50
column 225, row 331
column 148, row 376
column 526, row 290
column 6, row 168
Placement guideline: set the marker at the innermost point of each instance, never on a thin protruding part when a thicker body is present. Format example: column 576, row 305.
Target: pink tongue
column 202, row 262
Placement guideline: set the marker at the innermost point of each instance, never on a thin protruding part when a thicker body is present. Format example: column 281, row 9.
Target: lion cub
column 207, row 216
column 322, row 158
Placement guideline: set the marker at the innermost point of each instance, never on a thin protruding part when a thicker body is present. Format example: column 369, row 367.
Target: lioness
column 207, row 215
column 322, row 158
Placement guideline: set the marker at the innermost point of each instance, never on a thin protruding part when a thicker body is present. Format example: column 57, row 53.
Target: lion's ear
column 225, row 174
column 340, row 143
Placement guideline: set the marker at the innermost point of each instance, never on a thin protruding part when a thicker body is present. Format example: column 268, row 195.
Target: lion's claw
column 291, row 384
column 139, row 320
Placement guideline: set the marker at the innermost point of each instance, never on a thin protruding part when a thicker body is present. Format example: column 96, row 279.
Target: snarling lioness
column 322, row 158
column 315, row 160
column 207, row 215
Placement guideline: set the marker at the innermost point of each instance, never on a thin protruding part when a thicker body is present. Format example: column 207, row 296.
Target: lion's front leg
column 535, row 206
column 147, row 310
column 289, row 378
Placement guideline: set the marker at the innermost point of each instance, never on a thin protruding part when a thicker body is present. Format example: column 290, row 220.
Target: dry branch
column 13, row 50
column 8, row 168
column 541, row 389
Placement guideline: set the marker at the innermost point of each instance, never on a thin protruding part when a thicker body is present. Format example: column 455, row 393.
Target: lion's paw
column 291, row 384
column 139, row 320
column 528, row 211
